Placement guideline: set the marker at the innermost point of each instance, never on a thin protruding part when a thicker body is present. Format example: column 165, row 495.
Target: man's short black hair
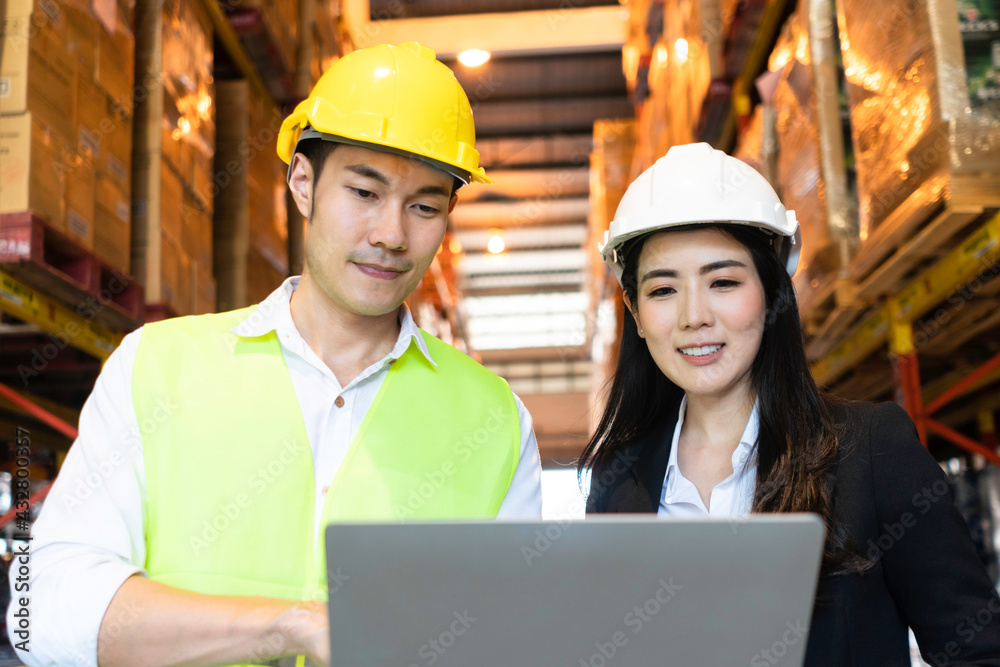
column 318, row 150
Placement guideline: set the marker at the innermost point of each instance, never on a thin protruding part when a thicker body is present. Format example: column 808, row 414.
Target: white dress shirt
column 732, row 497
column 89, row 537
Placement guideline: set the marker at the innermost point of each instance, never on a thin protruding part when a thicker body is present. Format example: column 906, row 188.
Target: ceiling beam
column 563, row 30
column 548, row 115
column 523, row 283
column 571, row 149
column 524, row 238
column 569, row 288
column 529, row 183
column 577, row 75
column 520, row 213
column 535, row 354
column 523, row 261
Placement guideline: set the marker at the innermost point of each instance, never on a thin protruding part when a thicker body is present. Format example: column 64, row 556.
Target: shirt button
column 325, row 489
column 339, row 402
column 743, row 457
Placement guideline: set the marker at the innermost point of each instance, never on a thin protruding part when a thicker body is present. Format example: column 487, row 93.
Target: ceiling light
column 681, row 49
column 473, row 57
column 661, row 54
column 496, row 245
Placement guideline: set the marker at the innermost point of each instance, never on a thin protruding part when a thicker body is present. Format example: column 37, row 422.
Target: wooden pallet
column 918, row 232
column 33, row 251
column 828, row 313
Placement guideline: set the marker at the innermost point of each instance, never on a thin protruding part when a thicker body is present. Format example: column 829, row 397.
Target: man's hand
column 152, row 624
column 306, row 624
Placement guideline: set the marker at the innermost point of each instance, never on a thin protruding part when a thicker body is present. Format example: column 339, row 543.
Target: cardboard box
column 262, row 277
column 32, row 169
column 116, row 64
column 204, row 289
column 33, row 60
column 202, row 179
column 184, row 303
column 171, row 199
column 91, row 120
column 81, row 200
column 170, row 262
column 117, row 163
column 83, row 34
column 196, row 231
column 113, row 226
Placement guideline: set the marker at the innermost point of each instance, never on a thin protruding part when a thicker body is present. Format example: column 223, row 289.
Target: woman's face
column 701, row 308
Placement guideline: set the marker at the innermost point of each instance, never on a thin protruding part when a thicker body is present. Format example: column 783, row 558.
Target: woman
column 713, row 409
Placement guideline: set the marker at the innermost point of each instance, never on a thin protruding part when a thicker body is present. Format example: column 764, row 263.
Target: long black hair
column 797, row 442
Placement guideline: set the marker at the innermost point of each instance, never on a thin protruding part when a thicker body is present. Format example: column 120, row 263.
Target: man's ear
column 635, row 315
column 452, row 202
column 301, row 184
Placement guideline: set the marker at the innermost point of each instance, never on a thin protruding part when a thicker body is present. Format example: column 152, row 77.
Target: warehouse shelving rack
column 60, row 289
column 947, row 287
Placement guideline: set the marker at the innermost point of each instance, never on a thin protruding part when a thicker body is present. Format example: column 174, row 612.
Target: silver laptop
column 623, row 590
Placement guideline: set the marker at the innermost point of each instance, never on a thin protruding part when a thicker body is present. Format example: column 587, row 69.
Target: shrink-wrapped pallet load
column 923, row 88
column 810, row 175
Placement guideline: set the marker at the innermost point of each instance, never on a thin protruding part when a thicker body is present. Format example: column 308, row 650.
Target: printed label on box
column 121, row 210
column 77, row 225
column 52, row 11
column 117, row 169
column 89, row 141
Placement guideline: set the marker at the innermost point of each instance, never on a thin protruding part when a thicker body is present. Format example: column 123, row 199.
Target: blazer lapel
column 652, row 452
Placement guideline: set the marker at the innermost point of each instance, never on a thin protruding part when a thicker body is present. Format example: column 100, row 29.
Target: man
column 186, row 524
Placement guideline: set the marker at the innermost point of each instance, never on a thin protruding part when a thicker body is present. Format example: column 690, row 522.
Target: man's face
column 377, row 220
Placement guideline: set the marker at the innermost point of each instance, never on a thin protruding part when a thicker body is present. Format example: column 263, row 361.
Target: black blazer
column 896, row 505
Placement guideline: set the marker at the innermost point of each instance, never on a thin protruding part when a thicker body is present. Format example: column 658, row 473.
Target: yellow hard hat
column 399, row 98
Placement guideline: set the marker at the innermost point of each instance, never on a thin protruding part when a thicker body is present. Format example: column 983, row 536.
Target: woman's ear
column 635, row 315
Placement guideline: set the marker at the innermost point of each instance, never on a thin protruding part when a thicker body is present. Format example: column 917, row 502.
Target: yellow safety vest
column 229, row 470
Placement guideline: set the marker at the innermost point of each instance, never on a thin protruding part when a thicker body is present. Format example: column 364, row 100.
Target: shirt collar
column 275, row 314
column 742, row 456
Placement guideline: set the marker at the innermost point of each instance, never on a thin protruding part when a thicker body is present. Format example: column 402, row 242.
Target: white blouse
column 732, row 497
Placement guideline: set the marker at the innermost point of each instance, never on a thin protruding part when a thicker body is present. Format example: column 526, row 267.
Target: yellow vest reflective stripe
column 229, row 470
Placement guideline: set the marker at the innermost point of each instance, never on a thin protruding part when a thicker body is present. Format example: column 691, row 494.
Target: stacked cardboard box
column 66, row 119
column 176, row 227
column 250, row 220
column 268, row 219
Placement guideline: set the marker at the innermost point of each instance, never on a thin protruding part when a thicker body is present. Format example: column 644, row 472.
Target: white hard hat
column 696, row 184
